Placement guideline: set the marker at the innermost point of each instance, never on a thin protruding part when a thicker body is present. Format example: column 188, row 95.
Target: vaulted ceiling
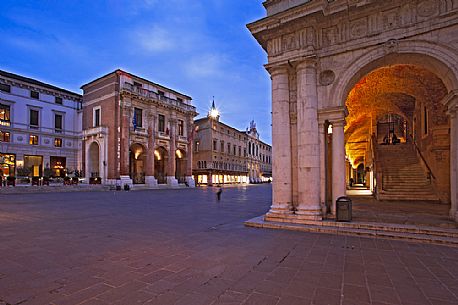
column 395, row 89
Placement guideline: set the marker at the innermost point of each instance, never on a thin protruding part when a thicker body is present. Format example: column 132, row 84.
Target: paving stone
column 179, row 246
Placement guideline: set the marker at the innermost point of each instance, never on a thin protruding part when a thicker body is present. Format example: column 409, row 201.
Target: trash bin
column 343, row 209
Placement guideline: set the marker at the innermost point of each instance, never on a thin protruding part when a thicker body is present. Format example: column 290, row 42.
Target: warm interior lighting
column 179, row 154
column 157, row 155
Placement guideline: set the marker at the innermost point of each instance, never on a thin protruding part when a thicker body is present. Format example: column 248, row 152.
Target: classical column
column 338, row 163
column 453, row 165
column 171, row 168
column 125, row 143
column 150, row 180
column 190, row 132
column 281, row 144
column 322, row 135
column 308, row 143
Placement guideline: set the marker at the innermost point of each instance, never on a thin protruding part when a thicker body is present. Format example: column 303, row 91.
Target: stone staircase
column 413, row 233
column 403, row 177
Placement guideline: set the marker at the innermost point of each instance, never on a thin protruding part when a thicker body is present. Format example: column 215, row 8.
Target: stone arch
column 438, row 59
column 161, row 157
column 137, row 164
column 180, row 168
column 93, row 166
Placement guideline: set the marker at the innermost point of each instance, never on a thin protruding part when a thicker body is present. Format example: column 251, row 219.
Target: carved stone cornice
column 322, row 27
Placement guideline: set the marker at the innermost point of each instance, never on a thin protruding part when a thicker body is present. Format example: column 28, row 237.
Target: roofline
column 240, row 131
column 36, row 82
column 120, row 71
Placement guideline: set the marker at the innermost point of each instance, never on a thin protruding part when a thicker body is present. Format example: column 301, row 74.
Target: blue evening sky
column 199, row 47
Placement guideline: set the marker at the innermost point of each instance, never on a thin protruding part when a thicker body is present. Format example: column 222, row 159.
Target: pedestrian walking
column 218, row 193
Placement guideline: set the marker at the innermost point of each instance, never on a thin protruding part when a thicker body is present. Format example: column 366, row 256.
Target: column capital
column 275, row 70
column 338, row 123
column 451, row 102
column 332, row 115
column 306, row 63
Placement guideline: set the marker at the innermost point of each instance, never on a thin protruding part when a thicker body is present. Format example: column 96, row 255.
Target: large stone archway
column 318, row 51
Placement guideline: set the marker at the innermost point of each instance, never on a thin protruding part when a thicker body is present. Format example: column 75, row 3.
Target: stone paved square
column 185, row 247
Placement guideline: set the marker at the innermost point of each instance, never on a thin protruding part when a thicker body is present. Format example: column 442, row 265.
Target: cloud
column 207, row 65
column 156, row 39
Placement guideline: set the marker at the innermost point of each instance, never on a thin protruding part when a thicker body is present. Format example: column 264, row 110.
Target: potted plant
column 23, row 174
column 11, row 181
column 67, row 180
column 47, row 173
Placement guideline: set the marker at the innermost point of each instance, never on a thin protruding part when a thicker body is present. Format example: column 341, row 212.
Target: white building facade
column 39, row 127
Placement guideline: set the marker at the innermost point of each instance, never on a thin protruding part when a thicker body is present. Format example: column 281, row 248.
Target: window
column 34, row 94
column 160, row 93
column 180, row 128
column 33, row 120
column 137, row 84
column 4, row 115
column 229, row 148
column 235, row 150
column 4, row 136
column 215, row 145
column 5, row 88
column 240, row 151
column 244, row 152
column 161, row 123
column 58, row 142
column 180, row 100
column 58, row 100
column 222, row 146
column 425, row 120
column 58, row 123
column 138, row 118
column 33, row 140
column 96, row 117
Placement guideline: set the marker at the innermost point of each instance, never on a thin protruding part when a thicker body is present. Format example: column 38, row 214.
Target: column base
column 172, row 181
column 190, row 181
column 309, row 214
column 126, row 180
column 150, row 181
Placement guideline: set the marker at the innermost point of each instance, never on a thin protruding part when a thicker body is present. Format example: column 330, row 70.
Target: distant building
column 223, row 154
column 259, row 156
column 136, row 131
column 39, row 127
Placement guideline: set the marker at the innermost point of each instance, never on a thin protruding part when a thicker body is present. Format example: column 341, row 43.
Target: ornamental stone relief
column 358, row 28
column 373, row 23
column 427, row 8
column 327, row 77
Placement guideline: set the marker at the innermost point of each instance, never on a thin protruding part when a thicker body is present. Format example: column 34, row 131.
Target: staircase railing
column 430, row 172
column 376, row 165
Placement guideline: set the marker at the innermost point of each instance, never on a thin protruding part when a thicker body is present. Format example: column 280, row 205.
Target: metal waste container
column 343, row 209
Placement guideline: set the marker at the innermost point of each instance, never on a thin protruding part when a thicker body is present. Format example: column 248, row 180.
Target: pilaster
column 451, row 102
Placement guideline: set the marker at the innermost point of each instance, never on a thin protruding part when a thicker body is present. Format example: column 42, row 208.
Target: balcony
column 154, row 96
column 183, row 139
column 96, row 131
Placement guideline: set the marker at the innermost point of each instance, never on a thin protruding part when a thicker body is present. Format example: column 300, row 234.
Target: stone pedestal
column 150, row 181
column 172, row 181
column 281, row 144
column 126, row 180
column 308, row 143
column 190, row 181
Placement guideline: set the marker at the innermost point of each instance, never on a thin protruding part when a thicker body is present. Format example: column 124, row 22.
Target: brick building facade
column 136, row 131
